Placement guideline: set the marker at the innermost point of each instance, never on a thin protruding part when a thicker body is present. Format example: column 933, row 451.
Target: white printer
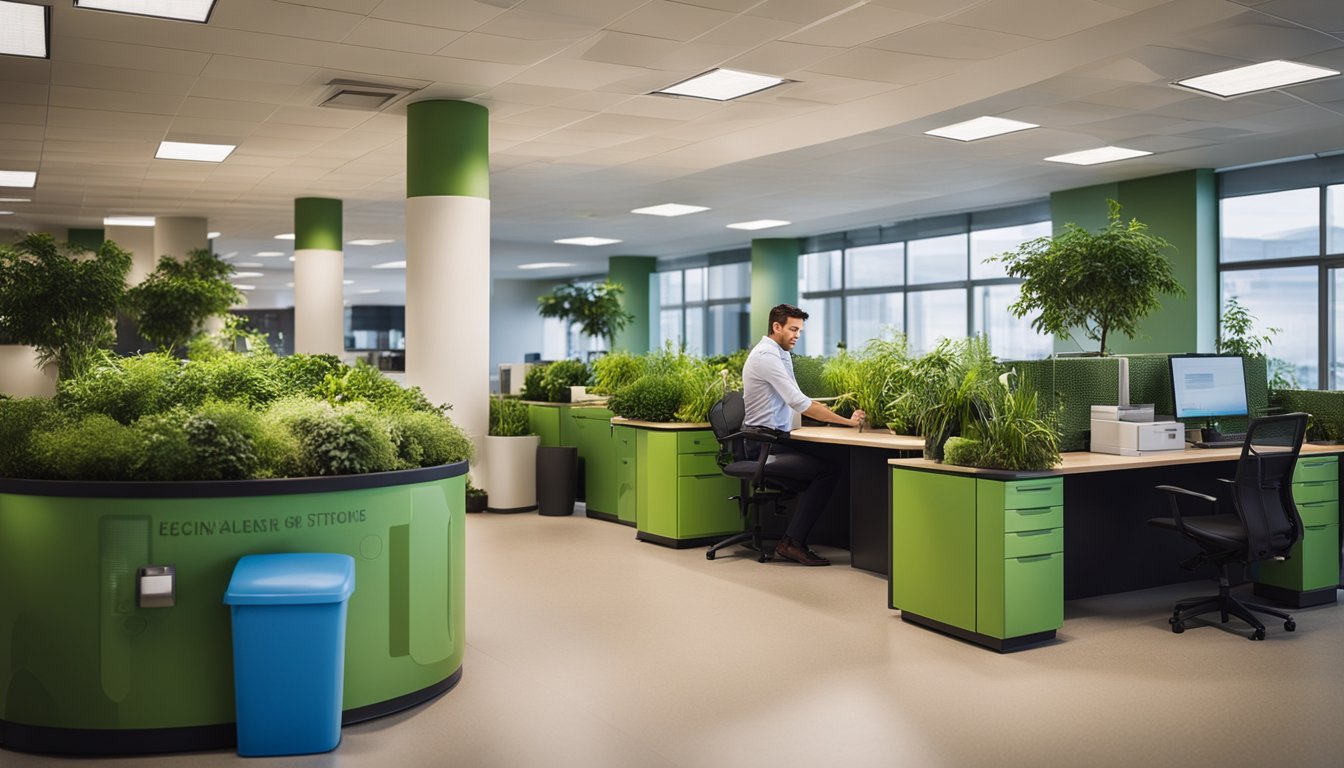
column 1129, row 430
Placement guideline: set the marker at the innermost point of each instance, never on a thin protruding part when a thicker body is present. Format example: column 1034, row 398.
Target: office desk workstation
column 991, row 556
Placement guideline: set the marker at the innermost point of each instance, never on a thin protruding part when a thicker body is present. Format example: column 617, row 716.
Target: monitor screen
column 1208, row 385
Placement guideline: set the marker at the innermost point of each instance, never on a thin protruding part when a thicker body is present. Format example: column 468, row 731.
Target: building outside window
column 929, row 278
column 1281, row 252
column 707, row 309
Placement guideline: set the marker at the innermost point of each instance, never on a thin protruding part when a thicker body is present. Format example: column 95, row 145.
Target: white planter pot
column 511, row 473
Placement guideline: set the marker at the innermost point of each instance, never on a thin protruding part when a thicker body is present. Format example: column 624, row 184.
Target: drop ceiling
column 576, row 141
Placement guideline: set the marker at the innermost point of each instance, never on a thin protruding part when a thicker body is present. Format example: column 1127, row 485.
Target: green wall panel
column 774, row 279
column 633, row 273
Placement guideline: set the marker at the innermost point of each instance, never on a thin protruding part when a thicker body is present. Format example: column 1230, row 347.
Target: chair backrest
column 725, row 418
column 1264, row 484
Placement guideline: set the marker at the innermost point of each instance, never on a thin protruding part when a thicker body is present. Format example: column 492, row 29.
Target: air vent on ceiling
column 365, row 97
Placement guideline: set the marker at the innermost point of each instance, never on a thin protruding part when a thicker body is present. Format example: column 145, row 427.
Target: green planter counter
column 681, row 496
column 87, row 671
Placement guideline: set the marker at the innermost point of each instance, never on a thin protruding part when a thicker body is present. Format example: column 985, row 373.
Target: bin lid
column 299, row 578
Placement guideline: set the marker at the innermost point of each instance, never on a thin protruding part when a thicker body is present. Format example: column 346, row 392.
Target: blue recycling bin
column 288, row 614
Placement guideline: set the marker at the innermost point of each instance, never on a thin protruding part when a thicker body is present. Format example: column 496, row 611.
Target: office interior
column 585, row 647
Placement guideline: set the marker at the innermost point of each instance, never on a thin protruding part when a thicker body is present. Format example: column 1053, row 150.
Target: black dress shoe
column 798, row 553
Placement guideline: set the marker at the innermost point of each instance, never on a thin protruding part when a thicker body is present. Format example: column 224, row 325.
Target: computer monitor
column 1208, row 386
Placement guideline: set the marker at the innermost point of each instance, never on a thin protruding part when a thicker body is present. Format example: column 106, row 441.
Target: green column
column 317, row 224
column 774, row 279
column 1183, row 208
column 91, row 239
column 450, row 144
column 633, row 274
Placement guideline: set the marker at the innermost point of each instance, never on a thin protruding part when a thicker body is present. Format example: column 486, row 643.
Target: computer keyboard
column 1227, row 441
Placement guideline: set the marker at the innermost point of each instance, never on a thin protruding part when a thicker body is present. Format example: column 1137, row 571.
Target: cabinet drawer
column 1033, row 494
column 1318, row 512
column 1035, row 519
column 1306, row 493
column 1033, row 594
column 1312, row 564
column 697, row 441
column 1029, row 543
column 704, row 507
column 625, row 442
column 697, row 464
column 1315, row 469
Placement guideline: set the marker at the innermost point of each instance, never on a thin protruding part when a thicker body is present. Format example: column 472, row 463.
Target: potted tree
column 61, row 301
column 173, row 302
column 511, row 458
column 1101, row 282
column 596, row 308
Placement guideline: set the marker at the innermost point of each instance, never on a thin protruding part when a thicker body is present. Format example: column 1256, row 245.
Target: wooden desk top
column 669, row 425
column 852, row 436
column 1081, row 461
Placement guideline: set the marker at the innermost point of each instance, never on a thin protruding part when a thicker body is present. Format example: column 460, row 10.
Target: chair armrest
column 1177, row 495
column 756, row 435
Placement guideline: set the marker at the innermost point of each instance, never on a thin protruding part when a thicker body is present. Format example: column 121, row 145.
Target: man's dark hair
column 781, row 314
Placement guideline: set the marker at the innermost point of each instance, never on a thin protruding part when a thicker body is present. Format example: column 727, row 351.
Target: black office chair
column 758, row 488
column 1264, row 525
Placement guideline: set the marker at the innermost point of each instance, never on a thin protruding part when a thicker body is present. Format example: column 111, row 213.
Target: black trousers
column 809, row 470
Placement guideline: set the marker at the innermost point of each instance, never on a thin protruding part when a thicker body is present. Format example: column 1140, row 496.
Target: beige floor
column 587, row 648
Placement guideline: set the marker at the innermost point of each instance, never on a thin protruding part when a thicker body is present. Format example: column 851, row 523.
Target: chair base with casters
column 755, row 536
column 1264, row 525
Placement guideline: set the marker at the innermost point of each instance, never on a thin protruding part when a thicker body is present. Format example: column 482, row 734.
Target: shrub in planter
column 532, row 383
column 615, row 370
column 21, row 420
column 305, row 374
column 168, row 453
column 174, row 300
column 124, row 388
column 364, row 383
column 508, row 417
column 651, row 398
column 426, row 439
column 560, row 376
column 221, row 436
column 962, row 451
column 92, row 447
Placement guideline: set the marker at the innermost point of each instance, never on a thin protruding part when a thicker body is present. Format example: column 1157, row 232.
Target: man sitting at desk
column 770, row 392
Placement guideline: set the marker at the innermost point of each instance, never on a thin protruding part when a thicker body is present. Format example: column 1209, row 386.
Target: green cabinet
column 1310, row 576
column 681, row 497
column 592, row 433
column 546, row 420
column 982, row 559
column 626, row 477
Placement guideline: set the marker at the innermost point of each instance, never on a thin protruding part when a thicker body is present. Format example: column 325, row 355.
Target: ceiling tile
column 464, row 15
column 856, row 26
column 549, row 117
column 582, row 138
column 573, row 73
column 886, row 66
column 781, row 59
column 1140, row 98
column 236, row 68
column 362, row 7
column 396, row 36
column 735, row 6
column 207, row 130
column 61, row 116
column 597, row 12
column 531, row 25
column 284, row 18
column 665, row 107
column 930, row 8
column 799, row 11
column 115, row 78
column 129, row 56
column 1323, row 16
column 274, row 130
column 243, row 90
column 118, row 101
column 1236, row 37
column 24, row 93
column 953, row 42
column 748, row 31
column 19, row 69
column 225, row 109
column 673, row 21
column 503, row 50
column 826, row 89
column 319, row 116
column 631, row 124
column 623, row 48
column 1043, row 19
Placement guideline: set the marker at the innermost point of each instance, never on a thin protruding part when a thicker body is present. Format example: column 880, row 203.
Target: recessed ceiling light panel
column 269, row 254
column 1096, row 156
column 128, row 221
column 759, row 224
column 286, row 236
column 211, row 235
column 25, row 30
column 545, row 265
column 242, row 287
column 370, row 242
column 248, row 274
column 980, row 128
column 670, row 209
column 722, row 85
column 182, row 10
column 1264, row 76
column 18, row 179
column 589, row 241
column 16, row 200
column 187, row 150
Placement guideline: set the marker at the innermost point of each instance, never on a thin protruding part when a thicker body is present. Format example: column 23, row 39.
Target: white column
column 178, row 235
column 319, row 302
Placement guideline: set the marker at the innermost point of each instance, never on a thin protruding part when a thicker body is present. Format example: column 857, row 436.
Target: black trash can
column 557, row 480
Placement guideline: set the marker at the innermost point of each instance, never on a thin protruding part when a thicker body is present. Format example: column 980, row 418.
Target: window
column 927, row 278
column 706, row 309
column 1281, row 253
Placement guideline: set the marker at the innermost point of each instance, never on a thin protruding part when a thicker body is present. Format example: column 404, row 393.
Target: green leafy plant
column 235, row 335
column 60, row 301
column 596, row 308
column 173, row 302
column 703, row 385
column 533, row 388
column 221, row 437
column 559, row 376
column 651, row 398
column 873, row 380
column 962, row 451
column 124, row 388
column 363, row 383
column 1236, row 332
column 1009, row 432
column 21, row 420
column 615, row 370
column 1103, row 282
column 427, row 439
column 508, row 417
column 808, row 372
column 93, row 447
column 947, row 384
